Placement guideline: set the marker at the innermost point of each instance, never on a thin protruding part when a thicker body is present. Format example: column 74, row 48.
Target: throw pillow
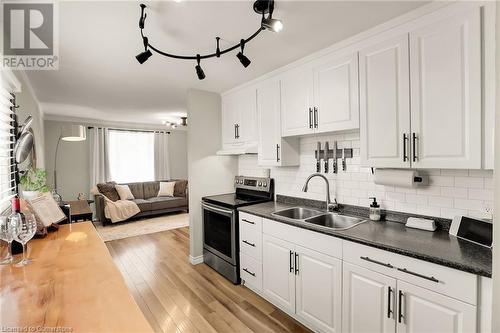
column 108, row 190
column 124, row 192
column 180, row 188
column 166, row 189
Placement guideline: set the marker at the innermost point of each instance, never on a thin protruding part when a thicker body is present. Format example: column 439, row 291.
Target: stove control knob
column 264, row 184
column 236, row 181
column 260, row 183
column 241, row 181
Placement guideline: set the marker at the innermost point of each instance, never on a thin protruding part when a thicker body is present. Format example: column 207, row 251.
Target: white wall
column 445, row 193
column 73, row 173
column 208, row 174
column 496, row 230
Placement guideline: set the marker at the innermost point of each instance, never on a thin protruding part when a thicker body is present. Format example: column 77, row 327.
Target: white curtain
column 99, row 155
column 162, row 168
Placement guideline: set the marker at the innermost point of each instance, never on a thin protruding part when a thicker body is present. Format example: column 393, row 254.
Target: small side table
column 80, row 210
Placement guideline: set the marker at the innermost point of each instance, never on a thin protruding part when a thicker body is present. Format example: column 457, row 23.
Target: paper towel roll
column 395, row 177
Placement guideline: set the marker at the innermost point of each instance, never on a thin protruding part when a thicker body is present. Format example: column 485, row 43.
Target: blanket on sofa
column 120, row 210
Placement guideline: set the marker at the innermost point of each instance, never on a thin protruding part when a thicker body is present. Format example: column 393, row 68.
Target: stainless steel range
column 220, row 223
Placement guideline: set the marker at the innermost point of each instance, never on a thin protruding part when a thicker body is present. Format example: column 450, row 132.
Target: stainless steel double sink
column 325, row 219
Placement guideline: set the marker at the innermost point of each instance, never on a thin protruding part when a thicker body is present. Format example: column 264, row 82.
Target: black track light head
column 243, row 59
column 271, row 24
column 143, row 56
column 199, row 70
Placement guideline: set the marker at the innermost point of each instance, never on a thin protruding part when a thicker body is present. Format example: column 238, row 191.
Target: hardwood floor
column 176, row 296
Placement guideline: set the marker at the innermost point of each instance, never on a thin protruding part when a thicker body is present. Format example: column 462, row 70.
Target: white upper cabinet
column 423, row 311
column 336, row 104
column 239, row 118
column 247, row 127
column 369, row 301
column 384, row 103
column 273, row 150
column 445, row 63
column 296, row 102
column 230, row 118
column 442, row 64
column 321, row 96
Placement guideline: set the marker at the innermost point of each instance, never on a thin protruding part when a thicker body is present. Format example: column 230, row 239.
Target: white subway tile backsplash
column 472, row 182
column 444, row 192
column 468, row 204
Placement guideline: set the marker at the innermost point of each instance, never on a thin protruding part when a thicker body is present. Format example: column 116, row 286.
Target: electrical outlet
column 488, row 209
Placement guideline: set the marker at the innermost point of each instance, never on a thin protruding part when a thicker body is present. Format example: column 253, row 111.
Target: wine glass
column 7, row 235
column 25, row 230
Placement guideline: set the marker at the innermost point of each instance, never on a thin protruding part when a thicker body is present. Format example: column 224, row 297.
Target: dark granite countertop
column 437, row 247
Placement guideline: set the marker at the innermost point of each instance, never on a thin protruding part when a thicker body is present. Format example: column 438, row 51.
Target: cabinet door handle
column 414, row 140
column 291, row 261
column 430, row 278
column 245, row 220
column 315, row 117
column 400, row 307
column 310, row 118
column 248, row 243
column 376, row 262
column 389, row 299
column 296, row 264
column 246, row 270
column 405, row 140
column 277, row 152
column 237, row 131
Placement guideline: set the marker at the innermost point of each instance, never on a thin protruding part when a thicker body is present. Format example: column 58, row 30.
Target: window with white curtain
column 7, row 166
column 131, row 156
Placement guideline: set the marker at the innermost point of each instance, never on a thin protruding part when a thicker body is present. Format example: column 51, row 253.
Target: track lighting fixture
column 261, row 7
column 199, row 70
column 243, row 59
column 144, row 56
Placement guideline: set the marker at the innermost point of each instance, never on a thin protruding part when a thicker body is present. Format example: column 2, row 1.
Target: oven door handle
column 217, row 209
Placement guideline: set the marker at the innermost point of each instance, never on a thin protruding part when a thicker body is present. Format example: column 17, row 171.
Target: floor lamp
column 71, row 133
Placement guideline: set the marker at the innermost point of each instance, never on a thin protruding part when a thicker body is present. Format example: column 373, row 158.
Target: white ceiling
column 99, row 77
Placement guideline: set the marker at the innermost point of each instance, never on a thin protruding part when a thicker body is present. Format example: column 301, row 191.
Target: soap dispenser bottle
column 374, row 210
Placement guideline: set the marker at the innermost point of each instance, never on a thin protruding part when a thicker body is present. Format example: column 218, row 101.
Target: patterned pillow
column 180, row 188
column 108, row 190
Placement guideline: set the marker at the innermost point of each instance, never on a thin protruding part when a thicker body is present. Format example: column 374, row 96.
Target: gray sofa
column 145, row 194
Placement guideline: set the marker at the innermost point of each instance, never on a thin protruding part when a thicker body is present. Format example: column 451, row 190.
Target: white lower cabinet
column 368, row 301
column 318, row 289
column 304, row 283
column 424, row 311
column 333, row 285
column 278, row 272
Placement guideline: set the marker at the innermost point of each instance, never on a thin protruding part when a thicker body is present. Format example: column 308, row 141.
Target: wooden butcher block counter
column 72, row 286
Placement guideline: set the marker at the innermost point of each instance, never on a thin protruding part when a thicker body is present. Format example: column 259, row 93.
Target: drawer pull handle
column 430, row 278
column 389, row 298
column 248, row 221
column 400, row 307
column 246, row 270
column 248, row 243
column 377, row 262
column 296, row 264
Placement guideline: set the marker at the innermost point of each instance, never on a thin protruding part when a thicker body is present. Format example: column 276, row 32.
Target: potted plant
column 33, row 182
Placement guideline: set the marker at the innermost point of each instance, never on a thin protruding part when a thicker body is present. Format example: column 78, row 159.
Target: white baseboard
column 196, row 260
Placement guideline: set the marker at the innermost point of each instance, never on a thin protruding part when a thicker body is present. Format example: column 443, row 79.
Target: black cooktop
column 233, row 200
